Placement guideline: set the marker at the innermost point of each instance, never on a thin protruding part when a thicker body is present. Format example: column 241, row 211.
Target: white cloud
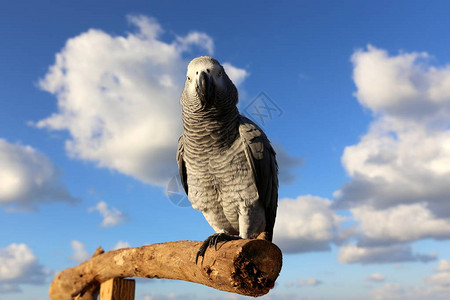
column 309, row 282
column 441, row 278
column 405, row 156
column 28, row 178
column 385, row 84
column 236, row 75
column 401, row 223
column 436, row 286
column 398, row 162
column 80, row 253
column 381, row 254
column 111, row 217
column 400, row 169
column 392, row 291
column 404, row 86
column 305, row 224
column 18, row 265
column 118, row 97
column 121, row 244
column 444, row 266
column 196, row 39
column 376, row 277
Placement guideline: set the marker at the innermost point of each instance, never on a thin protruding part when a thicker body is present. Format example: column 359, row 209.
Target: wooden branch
column 91, row 291
column 247, row 267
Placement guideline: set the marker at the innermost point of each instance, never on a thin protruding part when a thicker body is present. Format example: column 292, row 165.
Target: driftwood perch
column 247, row 267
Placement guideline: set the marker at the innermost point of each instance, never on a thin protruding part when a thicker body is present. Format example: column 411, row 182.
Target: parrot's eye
column 219, row 73
column 188, row 78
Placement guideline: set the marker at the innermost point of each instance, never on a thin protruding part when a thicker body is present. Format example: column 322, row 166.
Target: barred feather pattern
column 222, row 156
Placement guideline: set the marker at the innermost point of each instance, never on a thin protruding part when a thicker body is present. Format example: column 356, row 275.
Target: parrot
column 226, row 163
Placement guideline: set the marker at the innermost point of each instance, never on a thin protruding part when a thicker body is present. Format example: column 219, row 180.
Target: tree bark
column 247, row 267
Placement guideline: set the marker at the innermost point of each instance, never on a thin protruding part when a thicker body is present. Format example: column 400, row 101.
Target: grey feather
column 227, row 165
column 181, row 164
column 261, row 157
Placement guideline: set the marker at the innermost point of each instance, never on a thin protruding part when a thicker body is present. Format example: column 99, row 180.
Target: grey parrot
column 226, row 163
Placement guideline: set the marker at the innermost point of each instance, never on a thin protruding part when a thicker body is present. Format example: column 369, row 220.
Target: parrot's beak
column 205, row 90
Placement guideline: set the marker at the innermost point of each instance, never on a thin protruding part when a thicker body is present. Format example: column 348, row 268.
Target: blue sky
column 89, row 119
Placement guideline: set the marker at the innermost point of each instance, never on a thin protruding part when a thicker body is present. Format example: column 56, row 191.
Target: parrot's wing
column 181, row 164
column 261, row 158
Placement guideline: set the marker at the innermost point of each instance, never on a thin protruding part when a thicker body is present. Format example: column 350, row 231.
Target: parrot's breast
column 221, row 184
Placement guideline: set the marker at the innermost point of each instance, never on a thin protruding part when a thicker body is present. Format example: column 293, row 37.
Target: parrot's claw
column 213, row 240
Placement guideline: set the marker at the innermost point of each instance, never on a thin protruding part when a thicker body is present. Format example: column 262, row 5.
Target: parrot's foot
column 213, row 240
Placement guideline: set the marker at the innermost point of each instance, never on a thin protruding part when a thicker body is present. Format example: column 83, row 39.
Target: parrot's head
column 207, row 86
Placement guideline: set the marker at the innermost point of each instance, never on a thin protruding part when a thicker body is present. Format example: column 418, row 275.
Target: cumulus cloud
column 392, row 291
column 400, row 169
column 309, row 282
column 376, row 277
column 442, row 275
column 436, row 286
column 405, row 156
column 111, row 216
column 400, row 223
column 439, row 282
column 306, row 224
column 404, row 86
column 441, row 279
column 236, row 75
column 29, row 178
column 352, row 253
column 121, row 244
column 444, row 266
column 395, row 291
column 80, row 253
column 397, row 163
column 197, row 39
column 118, row 97
column 18, row 265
